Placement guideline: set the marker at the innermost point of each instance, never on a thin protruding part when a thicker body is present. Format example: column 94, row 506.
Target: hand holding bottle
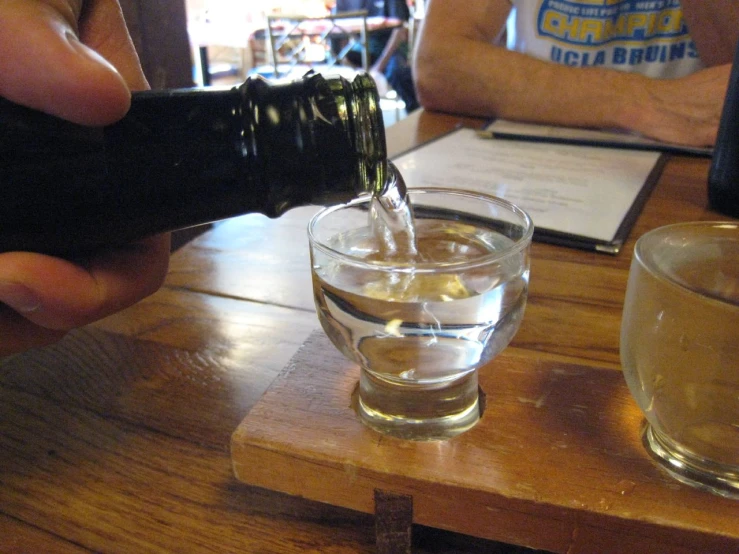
column 73, row 59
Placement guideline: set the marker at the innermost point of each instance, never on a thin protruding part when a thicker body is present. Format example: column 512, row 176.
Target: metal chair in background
column 294, row 40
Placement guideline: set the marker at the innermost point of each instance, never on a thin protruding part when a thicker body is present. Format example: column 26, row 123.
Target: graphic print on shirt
column 615, row 33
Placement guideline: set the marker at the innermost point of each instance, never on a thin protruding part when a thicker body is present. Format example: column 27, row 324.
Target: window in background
column 232, row 32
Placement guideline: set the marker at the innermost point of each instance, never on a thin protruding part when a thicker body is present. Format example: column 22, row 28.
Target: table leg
column 393, row 522
column 204, row 66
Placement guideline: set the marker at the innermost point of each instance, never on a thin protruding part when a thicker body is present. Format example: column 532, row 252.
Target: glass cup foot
column 419, row 411
column 696, row 472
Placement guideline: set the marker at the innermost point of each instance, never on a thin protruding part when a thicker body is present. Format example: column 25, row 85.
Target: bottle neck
column 318, row 140
column 184, row 157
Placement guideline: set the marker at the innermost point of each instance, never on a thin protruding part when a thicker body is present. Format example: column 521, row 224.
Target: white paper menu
column 580, row 196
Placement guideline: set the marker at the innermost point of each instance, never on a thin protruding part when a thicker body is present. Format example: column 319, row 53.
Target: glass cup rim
column 652, row 268
column 427, row 267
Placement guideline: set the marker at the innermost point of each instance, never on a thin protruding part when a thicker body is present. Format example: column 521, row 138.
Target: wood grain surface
column 556, row 461
column 117, row 439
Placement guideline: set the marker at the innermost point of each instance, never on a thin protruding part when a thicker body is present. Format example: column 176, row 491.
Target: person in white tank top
column 657, row 67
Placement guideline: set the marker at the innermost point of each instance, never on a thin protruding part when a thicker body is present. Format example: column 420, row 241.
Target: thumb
column 44, row 66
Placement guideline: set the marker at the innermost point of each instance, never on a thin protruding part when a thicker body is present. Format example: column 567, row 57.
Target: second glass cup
column 680, row 350
column 421, row 308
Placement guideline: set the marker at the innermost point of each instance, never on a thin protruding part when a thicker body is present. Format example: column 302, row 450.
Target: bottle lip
column 355, row 105
column 363, row 112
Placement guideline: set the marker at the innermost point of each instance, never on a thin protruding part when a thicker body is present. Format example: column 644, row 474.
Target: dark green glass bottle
column 185, row 157
column 723, row 176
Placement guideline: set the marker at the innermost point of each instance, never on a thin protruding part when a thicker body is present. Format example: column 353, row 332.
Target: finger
column 18, row 334
column 58, row 294
column 45, row 66
column 103, row 28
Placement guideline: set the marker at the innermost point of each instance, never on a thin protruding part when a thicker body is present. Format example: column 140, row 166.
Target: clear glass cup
column 420, row 326
column 680, row 350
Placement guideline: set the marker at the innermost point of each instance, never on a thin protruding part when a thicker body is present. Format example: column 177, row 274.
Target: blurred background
column 179, row 41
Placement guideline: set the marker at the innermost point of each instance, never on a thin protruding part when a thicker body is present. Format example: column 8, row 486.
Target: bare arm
column 458, row 68
column 397, row 37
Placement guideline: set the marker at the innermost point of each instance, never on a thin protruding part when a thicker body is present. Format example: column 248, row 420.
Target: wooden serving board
column 556, row 462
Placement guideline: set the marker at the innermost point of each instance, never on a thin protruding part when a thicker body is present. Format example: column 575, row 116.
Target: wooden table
column 117, row 438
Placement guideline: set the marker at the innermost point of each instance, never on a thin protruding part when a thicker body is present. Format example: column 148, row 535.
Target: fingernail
column 19, row 297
